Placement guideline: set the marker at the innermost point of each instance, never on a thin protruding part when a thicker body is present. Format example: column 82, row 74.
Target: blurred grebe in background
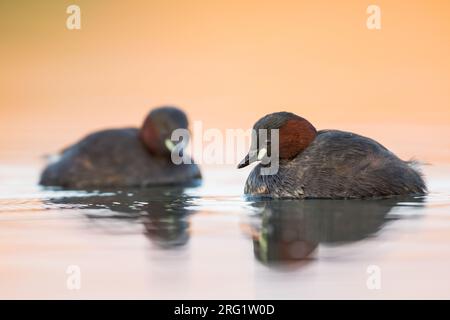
column 128, row 157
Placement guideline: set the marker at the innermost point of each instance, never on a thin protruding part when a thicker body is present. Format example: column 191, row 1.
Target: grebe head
column 156, row 131
column 294, row 135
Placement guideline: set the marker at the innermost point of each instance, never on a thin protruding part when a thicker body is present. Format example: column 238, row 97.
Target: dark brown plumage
column 335, row 164
column 123, row 158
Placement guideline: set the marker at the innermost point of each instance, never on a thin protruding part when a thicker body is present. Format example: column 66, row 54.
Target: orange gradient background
column 226, row 63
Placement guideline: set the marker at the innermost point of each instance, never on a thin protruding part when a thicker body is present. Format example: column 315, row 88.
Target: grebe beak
column 251, row 157
column 245, row 162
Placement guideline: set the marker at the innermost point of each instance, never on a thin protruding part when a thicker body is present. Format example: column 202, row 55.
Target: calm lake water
column 210, row 242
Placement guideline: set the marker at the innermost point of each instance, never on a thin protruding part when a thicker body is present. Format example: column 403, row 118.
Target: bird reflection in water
column 163, row 211
column 291, row 230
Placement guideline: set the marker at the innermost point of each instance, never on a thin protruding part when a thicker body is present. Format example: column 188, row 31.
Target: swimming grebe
column 327, row 164
column 127, row 157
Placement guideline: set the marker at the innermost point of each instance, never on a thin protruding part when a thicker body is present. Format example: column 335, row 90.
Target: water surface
column 210, row 242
